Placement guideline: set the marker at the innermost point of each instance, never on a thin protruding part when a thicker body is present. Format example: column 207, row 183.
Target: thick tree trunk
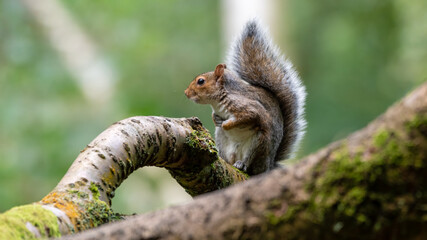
column 371, row 185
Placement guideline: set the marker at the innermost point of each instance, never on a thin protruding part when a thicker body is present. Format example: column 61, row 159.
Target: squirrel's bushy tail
column 258, row 61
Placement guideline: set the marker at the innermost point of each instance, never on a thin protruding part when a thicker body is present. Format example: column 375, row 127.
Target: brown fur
column 253, row 109
column 258, row 104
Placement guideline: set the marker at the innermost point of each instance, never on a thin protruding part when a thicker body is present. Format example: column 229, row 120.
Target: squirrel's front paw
column 217, row 120
column 228, row 124
column 240, row 165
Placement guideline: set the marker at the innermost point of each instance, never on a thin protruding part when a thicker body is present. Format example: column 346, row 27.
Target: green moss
column 204, row 171
column 201, row 139
column 418, row 123
column 273, row 219
column 381, row 137
column 241, row 172
column 201, row 153
column 368, row 191
column 94, row 189
column 277, row 218
column 93, row 212
column 292, row 211
column 85, row 212
column 82, row 195
column 211, row 177
column 13, row 222
column 72, row 191
column 98, row 212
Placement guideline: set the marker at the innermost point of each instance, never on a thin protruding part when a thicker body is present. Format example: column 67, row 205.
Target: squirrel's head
column 205, row 88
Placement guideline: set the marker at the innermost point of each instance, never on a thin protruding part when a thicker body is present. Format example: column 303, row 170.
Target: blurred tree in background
column 356, row 58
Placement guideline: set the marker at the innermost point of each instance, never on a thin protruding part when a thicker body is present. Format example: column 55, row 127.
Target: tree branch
column 82, row 199
column 370, row 185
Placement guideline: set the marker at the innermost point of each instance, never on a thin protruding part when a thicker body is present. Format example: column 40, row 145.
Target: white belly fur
column 237, row 141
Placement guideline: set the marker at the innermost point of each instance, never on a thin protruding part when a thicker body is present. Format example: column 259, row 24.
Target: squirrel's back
column 256, row 60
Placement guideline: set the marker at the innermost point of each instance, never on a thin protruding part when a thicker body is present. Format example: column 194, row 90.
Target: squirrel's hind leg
column 254, row 156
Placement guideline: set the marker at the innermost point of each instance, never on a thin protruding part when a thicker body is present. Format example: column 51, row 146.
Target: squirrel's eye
column 200, row 81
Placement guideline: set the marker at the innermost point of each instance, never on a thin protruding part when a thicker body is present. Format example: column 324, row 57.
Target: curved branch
column 82, row 199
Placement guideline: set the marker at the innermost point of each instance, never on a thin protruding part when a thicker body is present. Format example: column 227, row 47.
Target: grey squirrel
column 257, row 101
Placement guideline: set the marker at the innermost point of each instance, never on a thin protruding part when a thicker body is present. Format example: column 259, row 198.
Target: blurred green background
column 355, row 57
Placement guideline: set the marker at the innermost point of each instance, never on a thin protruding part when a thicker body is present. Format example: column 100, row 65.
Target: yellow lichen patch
column 113, row 171
column 59, row 200
column 110, row 178
column 13, row 223
column 83, row 212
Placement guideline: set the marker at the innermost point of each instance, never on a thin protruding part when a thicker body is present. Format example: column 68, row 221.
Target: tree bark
column 371, row 185
column 82, row 199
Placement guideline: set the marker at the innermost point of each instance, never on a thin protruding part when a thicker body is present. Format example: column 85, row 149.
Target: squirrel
column 257, row 101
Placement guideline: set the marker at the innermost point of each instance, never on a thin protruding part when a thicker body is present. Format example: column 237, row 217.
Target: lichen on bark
column 204, row 171
column 84, row 210
column 17, row 222
column 369, row 189
column 82, row 199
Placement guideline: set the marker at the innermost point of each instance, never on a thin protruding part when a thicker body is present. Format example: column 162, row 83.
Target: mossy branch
column 82, row 199
column 370, row 185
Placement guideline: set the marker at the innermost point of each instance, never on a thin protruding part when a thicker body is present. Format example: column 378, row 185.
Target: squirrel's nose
column 186, row 92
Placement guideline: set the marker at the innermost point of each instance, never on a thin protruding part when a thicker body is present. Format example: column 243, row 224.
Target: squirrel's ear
column 219, row 70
